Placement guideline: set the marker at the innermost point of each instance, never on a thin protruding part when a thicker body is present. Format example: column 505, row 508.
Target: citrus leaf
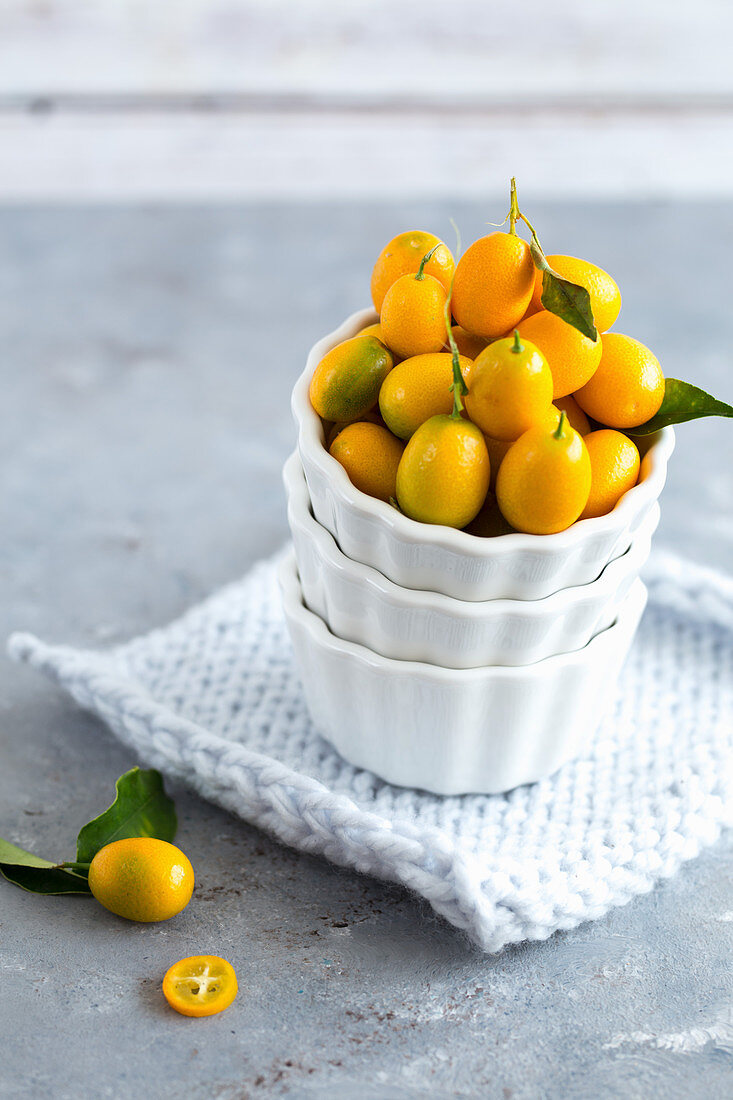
column 682, row 401
column 568, row 301
column 38, row 881
column 39, row 876
column 141, row 808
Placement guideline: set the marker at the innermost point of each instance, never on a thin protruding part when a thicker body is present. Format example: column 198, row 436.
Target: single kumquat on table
column 142, row 879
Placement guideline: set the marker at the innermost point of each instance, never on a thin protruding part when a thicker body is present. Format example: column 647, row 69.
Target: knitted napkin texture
column 214, row 700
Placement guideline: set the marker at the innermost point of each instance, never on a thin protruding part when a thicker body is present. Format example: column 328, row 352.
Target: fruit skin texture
column 370, row 455
column 509, row 389
column 418, row 388
column 572, row 357
column 469, row 345
column 614, row 464
column 346, row 383
column 628, row 387
column 141, row 879
column 443, row 476
column 605, row 296
column 544, row 481
column 576, row 417
column 374, row 330
column 200, row 985
column 497, row 448
column 493, row 285
column 412, row 316
column 402, row 256
column 330, row 431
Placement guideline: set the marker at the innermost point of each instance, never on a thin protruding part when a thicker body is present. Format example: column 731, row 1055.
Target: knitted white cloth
column 214, row 699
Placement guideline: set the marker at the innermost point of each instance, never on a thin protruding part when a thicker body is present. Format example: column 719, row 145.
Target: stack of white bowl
column 445, row 661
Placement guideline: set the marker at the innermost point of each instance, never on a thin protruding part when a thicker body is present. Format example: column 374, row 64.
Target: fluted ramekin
column 440, row 559
column 454, row 731
column 360, row 605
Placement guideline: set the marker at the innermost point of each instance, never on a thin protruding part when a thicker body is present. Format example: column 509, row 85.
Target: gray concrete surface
column 146, row 358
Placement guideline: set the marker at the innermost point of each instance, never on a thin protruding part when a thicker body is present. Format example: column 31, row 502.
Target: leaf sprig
column 141, row 808
column 571, row 303
column 458, row 386
column 682, row 402
column 568, row 301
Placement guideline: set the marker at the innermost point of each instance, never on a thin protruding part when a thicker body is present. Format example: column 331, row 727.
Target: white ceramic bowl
column 359, row 605
column 454, row 731
column 440, row 559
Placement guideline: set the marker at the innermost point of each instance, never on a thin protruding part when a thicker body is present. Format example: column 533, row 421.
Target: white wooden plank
column 465, row 51
column 344, row 156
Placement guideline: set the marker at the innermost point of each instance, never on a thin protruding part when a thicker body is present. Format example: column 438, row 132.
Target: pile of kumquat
column 492, row 394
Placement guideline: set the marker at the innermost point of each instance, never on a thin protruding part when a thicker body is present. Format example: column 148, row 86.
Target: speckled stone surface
column 146, row 358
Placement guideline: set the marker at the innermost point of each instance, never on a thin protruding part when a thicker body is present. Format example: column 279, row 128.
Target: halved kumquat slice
column 200, row 985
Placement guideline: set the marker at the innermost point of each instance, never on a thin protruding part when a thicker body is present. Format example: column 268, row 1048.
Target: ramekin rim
column 294, row 606
column 438, row 602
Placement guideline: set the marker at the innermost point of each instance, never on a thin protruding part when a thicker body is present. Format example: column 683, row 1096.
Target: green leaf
column 141, row 808
column 568, row 301
column 682, row 401
column 37, row 875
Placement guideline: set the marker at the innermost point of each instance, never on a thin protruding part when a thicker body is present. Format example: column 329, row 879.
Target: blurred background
column 313, row 99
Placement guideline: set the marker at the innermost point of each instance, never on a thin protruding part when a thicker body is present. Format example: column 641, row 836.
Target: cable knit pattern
column 214, row 700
